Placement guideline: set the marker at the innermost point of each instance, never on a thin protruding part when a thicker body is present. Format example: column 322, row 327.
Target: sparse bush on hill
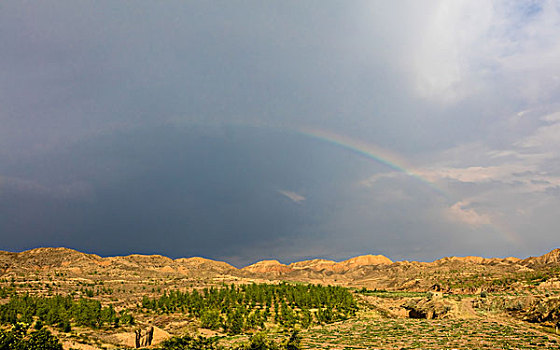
column 258, row 341
column 7, row 291
column 190, row 343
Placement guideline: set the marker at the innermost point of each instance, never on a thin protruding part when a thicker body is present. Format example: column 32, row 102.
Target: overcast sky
column 248, row 130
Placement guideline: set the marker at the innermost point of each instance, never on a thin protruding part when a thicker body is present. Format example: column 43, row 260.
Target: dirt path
column 523, row 325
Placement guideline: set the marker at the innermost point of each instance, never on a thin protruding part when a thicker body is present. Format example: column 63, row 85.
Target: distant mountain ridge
column 267, row 266
column 45, row 258
column 60, row 256
column 375, row 271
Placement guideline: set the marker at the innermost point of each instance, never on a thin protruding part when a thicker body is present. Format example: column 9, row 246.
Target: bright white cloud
column 443, row 59
column 461, row 211
column 477, row 46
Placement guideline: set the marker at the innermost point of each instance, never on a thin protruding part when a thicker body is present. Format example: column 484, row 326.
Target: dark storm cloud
column 124, row 123
column 71, row 68
column 181, row 191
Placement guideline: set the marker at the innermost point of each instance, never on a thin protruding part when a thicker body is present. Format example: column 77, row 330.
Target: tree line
column 61, row 311
column 236, row 309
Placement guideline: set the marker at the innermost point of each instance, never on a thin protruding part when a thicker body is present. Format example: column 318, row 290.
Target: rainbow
column 370, row 151
column 382, row 156
column 396, row 163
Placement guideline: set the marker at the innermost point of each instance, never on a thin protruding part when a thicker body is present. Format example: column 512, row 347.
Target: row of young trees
column 238, row 308
column 19, row 337
column 61, row 311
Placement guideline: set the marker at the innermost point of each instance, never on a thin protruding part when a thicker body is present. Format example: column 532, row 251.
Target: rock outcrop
column 430, row 308
column 551, row 258
column 267, row 267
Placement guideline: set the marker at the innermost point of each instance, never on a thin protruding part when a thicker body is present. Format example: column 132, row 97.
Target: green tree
column 43, row 340
column 259, row 341
column 211, row 319
column 294, row 342
column 18, row 338
column 189, row 343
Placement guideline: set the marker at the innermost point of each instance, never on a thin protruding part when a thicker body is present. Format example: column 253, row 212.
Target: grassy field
column 379, row 333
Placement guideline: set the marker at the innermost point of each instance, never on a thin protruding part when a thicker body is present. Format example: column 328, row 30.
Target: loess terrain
column 361, row 303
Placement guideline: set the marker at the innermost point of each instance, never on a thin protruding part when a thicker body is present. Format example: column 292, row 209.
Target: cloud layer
column 179, row 128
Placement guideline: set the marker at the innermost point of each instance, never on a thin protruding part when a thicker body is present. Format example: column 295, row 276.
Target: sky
column 250, row 130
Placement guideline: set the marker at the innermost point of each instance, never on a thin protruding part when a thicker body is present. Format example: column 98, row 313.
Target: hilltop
column 370, row 271
column 161, row 292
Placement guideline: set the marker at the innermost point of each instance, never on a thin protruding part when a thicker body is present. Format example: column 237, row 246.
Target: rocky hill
column 267, row 267
column 551, row 258
column 78, row 263
column 370, row 271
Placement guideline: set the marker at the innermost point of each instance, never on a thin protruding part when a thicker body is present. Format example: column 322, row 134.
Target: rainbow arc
column 370, row 151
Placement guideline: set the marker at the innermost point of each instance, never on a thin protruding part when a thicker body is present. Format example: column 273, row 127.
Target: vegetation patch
column 235, row 309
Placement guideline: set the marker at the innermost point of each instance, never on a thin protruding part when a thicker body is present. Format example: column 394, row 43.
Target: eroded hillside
column 202, row 296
